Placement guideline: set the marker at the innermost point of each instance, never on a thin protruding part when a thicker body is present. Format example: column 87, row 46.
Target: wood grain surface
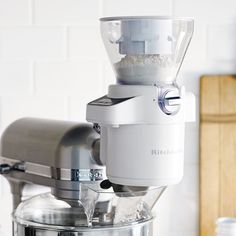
column 217, row 150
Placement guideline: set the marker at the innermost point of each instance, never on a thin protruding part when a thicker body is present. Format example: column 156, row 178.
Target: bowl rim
column 130, row 18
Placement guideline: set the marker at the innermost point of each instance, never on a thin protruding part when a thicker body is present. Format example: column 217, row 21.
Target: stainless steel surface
column 52, row 143
column 96, row 152
column 5, row 168
column 37, row 169
column 144, row 17
column 7, row 165
column 139, row 229
column 80, row 174
column 16, row 190
column 62, row 156
column 170, row 100
column 55, row 173
column 57, row 154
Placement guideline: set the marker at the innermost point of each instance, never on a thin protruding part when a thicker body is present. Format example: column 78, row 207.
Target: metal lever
column 5, row 169
column 170, row 101
column 173, row 101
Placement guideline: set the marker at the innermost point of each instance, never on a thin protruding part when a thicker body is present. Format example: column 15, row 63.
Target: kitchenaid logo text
column 165, row 152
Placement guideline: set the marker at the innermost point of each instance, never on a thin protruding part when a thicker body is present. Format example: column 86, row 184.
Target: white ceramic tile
column 77, row 106
column 32, row 43
column 177, row 233
column 14, row 12
column 136, row 7
column 66, row 12
column 221, row 42
column 188, row 187
column 14, row 78
column 5, row 187
column 163, row 211
column 190, row 74
column 221, row 67
column 184, row 233
column 191, row 150
column 6, row 208
column 108, row 75
column 184, row 212
column 196, row 52
column 205, row 11
column 5, row 216
column 30, row 106
column 191, row 80
column 1, row 232
column 177, row 209
column 68, row 78
column 85, row 43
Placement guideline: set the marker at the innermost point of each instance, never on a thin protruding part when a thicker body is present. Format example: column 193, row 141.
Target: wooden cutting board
column 217, row 150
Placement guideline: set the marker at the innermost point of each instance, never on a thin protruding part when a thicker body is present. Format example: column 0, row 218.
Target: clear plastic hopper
column 146, row 50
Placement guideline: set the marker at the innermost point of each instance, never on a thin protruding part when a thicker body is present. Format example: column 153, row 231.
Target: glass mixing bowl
column 96, row 208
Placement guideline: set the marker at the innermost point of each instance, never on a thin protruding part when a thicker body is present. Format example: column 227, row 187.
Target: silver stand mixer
column 106, row 177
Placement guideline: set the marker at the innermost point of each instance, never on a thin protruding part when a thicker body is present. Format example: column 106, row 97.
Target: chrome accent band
column 79, row 174
column 54, row 173
column 140, row 229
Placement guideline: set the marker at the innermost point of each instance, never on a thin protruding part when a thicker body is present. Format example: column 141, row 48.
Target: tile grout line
column 1, row 114
column 66, row 42
column 32, row 85
column 172, row 7
column 1, row 178
column 101, row 77
column 68, row 109
column 31, row 12
column 100, row 11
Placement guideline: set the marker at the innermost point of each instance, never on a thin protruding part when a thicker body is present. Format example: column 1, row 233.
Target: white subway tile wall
column 134, row 7
column 14, row 107
column 66, row 12
column 52, row 62
column 225, row 45
column 15, row 78
column 32, row 43
column 85, row 43
column 68, row 78
column 14, row 12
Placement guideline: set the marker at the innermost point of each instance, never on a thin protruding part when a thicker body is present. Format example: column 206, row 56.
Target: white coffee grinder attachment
column 142, row 118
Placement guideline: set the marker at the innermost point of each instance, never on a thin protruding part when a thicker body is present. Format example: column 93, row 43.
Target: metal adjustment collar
column 170, row 100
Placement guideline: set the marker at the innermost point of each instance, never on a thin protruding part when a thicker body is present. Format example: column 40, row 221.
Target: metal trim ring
column 79, row 174
column 144, row 228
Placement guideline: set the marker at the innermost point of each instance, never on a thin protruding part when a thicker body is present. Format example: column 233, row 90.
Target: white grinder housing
column 142, row 118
